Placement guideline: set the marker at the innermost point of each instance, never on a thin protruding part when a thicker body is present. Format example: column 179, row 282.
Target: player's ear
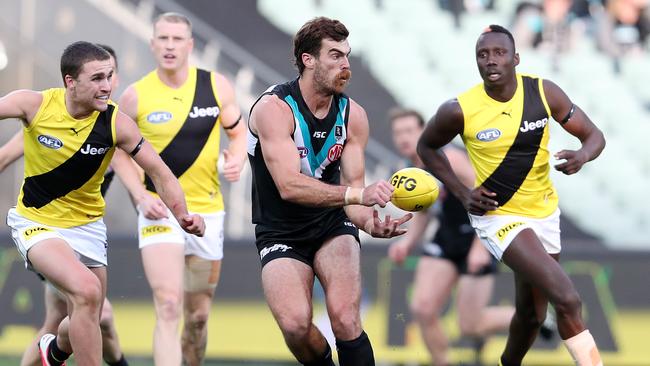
column 69, row 80
column 308, row 60
column 516, row 58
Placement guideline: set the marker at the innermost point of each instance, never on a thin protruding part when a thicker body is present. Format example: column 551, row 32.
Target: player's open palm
column 378, row 193
column 387, row 228
column 193, row 224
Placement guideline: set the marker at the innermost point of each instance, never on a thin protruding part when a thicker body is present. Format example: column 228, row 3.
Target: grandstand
column 405, row 52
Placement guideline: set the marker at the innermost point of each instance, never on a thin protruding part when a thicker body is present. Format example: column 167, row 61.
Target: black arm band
column 569, row 115
column 234, row 124
column 137, row 147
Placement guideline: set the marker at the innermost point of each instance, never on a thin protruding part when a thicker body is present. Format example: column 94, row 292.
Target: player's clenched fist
column 193, row 224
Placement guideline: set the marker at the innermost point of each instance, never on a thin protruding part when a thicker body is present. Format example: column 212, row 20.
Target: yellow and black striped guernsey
column 65, row 161
column 507, row 143
column 183, row 126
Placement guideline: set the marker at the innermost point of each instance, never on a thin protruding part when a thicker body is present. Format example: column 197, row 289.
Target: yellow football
column 415, row 189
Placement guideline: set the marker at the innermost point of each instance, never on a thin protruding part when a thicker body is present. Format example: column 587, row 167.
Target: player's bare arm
column 234, row 125
column 11, row 151
column 575, row 121
column 21, row 104
column 352, row 175
column 443, row 127
column 272, row 121
column 130, row 173
column 129, row 139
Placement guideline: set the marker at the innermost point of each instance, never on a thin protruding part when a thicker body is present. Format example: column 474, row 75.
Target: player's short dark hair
column 110, row 50
column 79, row 53
column 310, row 36
column 397, row 112
column 494, row 28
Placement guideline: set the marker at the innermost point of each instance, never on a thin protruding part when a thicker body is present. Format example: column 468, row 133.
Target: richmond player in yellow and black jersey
column 504, row 123
column 70, row 134
column 181, row 110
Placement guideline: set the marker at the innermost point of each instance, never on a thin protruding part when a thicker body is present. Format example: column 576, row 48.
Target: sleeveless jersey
column 65, row 161
column 319, row 142
column 507, row 143
column 182, row 125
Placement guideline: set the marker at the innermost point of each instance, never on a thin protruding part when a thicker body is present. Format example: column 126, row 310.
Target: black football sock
column 357, row 352
column 55, row 355
column 120, row 362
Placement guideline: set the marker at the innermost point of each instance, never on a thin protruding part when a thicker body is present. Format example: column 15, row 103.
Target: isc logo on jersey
column 204, row 112
column 49, row 141
column 488, row 135
column 159, row 117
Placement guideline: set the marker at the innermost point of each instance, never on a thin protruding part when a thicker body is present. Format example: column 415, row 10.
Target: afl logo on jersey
column 488, row 135
column 49, row 141
column 303, row 151
column 335, row 152
column 159, row 117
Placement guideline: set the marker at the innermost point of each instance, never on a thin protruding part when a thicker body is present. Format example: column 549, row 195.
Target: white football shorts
column 209, row 246
column 498, row 231
column 88, row 241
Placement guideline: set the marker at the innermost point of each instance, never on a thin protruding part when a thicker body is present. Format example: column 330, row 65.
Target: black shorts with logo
column 301, row 241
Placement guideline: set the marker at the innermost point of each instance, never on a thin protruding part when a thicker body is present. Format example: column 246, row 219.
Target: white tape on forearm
column 353, row 196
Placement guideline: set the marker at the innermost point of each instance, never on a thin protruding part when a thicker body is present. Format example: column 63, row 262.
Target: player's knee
column 295, row 327
column 345, row 321
column 530, row 318
column 88, row 293
column 422, row 311
column 568, row 304
column 197, row 320
column 106, row 318
column 168, row 305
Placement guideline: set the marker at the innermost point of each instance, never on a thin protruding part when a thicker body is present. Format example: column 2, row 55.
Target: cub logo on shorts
column 154, row 230
column 335, row 152
column 503, row 232
column 33, row 231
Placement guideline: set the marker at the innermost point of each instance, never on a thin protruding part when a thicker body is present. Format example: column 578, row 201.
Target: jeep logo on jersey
column 490, row 134
column 89, row 150
column 303, row 151
column 204, row 112
column 335, row 152
column 159, row 117
column 529, row 126
column 49, row 141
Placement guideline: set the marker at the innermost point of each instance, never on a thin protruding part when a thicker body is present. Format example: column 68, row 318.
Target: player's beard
column 331, row 87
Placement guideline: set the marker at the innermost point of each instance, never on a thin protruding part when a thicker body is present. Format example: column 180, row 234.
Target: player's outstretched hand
column 193, row 224
column 387, row 228
column 480, row 201
column 152, row 208
column 573, row 161
column 378, row 193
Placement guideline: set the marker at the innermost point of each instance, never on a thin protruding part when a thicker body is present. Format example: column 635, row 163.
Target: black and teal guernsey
column 319, row 143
